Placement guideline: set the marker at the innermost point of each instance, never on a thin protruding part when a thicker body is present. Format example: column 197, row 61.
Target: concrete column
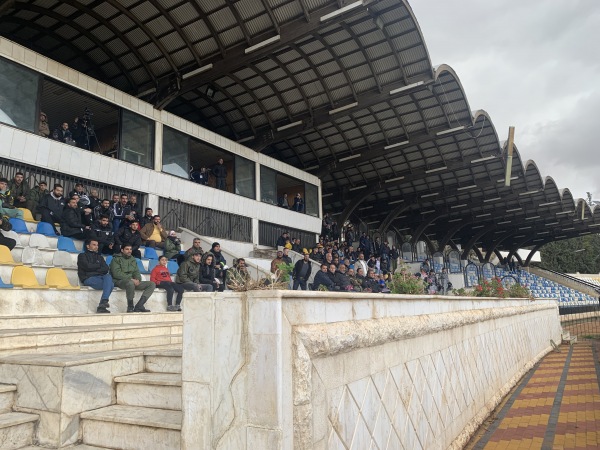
column 257, row 180
column 152, row 202
column 255, row 226
column 158, row 146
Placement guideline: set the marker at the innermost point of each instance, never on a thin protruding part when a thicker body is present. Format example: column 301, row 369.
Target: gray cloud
column 534, row 65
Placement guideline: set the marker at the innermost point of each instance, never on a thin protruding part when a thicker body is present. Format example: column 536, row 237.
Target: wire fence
column 581, row 321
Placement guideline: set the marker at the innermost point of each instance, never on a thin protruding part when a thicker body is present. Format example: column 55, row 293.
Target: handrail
column 572, row 278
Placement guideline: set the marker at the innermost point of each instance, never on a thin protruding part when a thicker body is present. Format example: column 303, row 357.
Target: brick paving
column 556, row 406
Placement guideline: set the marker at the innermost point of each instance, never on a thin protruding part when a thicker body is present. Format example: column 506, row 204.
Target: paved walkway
column 555, row 406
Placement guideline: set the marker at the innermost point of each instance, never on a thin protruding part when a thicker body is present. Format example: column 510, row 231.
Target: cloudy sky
column 534, row 64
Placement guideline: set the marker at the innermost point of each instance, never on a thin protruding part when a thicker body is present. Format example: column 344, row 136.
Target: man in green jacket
column 126, row 275
column 188, row 275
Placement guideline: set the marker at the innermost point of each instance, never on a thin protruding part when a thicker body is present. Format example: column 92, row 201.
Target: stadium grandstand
column 237, row 122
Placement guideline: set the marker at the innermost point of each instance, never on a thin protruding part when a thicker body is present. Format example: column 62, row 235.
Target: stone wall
column 313, row 370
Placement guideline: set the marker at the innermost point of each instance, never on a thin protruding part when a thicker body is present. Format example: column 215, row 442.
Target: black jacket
column 126, row 236
column 323, row 279
column 298, row 268
column 90, row 264
column 71, row 222
column 207, row 272
column 104, row 235
column 53, row 205
column 220, row 170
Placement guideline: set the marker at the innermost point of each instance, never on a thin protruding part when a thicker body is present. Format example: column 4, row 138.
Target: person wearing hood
column 208, row 272
column 188, row 276
column 126, row 275
column 172, row 245
column 7, row 207
column 219, row 262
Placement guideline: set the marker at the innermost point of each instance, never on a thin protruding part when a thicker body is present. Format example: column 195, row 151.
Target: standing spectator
column 219, row 262
column 94, row 199
column 20, row 190
column 277, row 261
column 349, row 237
column 189, row 274
column 220, row 172
column 35, row 195
column 153, row 234
column 43, row 127
column 129, row 236
column 286, row 256
column 126, row 275
column 52, row 206
column 301, row 272
column 93, row 271
column 115, row 200
column 136, row 209
column 298, row 203
column 281, row 240
column 394, row 255
column 63, row 134
column 282, row 202
column 296, row 247
column 7, row 207
column 121, row 210
column 147, row 217
column 162, row 278
column 444, row 281
column 71, row 224
column 101, row 231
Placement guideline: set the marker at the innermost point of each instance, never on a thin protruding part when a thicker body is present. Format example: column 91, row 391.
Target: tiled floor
column 555, row 406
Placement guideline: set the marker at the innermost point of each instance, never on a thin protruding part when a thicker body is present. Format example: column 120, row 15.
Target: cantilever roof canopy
column 344, row 90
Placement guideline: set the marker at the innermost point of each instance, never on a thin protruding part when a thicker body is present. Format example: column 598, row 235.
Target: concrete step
column 16, row 429
column 89, row 338
column 7, row 397
column 151, row 390
column 76, row 447
column 132, row 428
column 163, row 361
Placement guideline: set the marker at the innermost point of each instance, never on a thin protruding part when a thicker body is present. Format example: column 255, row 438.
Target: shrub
column 405, row 282
column 494, row 288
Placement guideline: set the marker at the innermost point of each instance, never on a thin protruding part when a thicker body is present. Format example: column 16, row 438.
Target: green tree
column 581, row 254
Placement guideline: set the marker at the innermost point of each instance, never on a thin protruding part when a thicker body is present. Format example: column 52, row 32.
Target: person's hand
column 21, row 198
column 136, row 282
column 110, row 245
column 87, row 210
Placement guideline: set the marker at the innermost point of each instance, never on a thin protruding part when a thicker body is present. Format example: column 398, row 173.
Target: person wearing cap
column 35, row 195
column 172, row 245
column 130, row 236
column 301, row 272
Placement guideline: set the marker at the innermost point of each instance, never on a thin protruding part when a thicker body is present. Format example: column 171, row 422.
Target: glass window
column 311, row 199
column 18, row 96
column 175, row 153
column 245, row 177
column 137, row 139
column 268, row 185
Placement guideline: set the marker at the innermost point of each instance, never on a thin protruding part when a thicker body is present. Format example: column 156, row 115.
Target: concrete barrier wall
column 313, row 370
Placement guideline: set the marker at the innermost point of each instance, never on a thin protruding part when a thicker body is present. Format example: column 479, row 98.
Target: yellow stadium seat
column 57, row 278
column 6, row 257
column 27, row 216
column 23, row 276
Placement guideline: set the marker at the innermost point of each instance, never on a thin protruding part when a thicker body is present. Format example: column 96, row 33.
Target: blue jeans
column 102, row 283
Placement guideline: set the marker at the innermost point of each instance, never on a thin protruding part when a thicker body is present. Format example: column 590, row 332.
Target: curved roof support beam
column 430, row 245
column 447, row 239
column 495, row 244
column 532, row 252
column 477, row 252
column 476, row 237
column 424, row 224
column 355, row 202
column 391, row 217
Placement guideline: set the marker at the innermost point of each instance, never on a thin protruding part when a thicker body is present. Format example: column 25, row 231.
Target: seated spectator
column 93, row 271
column 296, row 246
column 432, row 283
column 189, row 275
column 115, row 200
column 126, row 275
column 128, row 236
column 6, row 226
column 35, row 195
column 162, row 278
column 208, row 273
column 71, row 224
column 315, row 255
column 277, row 261
column 101, row 231
column 195, row 248
column 7, row 207
column 301, row 272
column 20, row 190
column 238, row 274
column 52, row 206
column 85, row 212
column 63, row 134
column 94, row 199
column 79, row 191
column 331, row 273
column 104, row 209
column 342, row 280
column 281, row 240
column 172, row 245
column 372, row 283
column 322, row 279
column 153, row 234
column 361, row 280
column 147, row 217
column 200, row 177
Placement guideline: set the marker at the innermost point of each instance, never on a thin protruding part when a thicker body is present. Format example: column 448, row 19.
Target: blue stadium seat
column 109, row 259
column 141, row 266
column 173, row 267
column 4, row 285
column 150, row 253
column 45, row 228
column 18, row 225
column 66, row 244
column 152, row 264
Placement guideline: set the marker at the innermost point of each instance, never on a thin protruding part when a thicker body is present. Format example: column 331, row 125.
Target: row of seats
column 541, row 287
column 24, row 277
